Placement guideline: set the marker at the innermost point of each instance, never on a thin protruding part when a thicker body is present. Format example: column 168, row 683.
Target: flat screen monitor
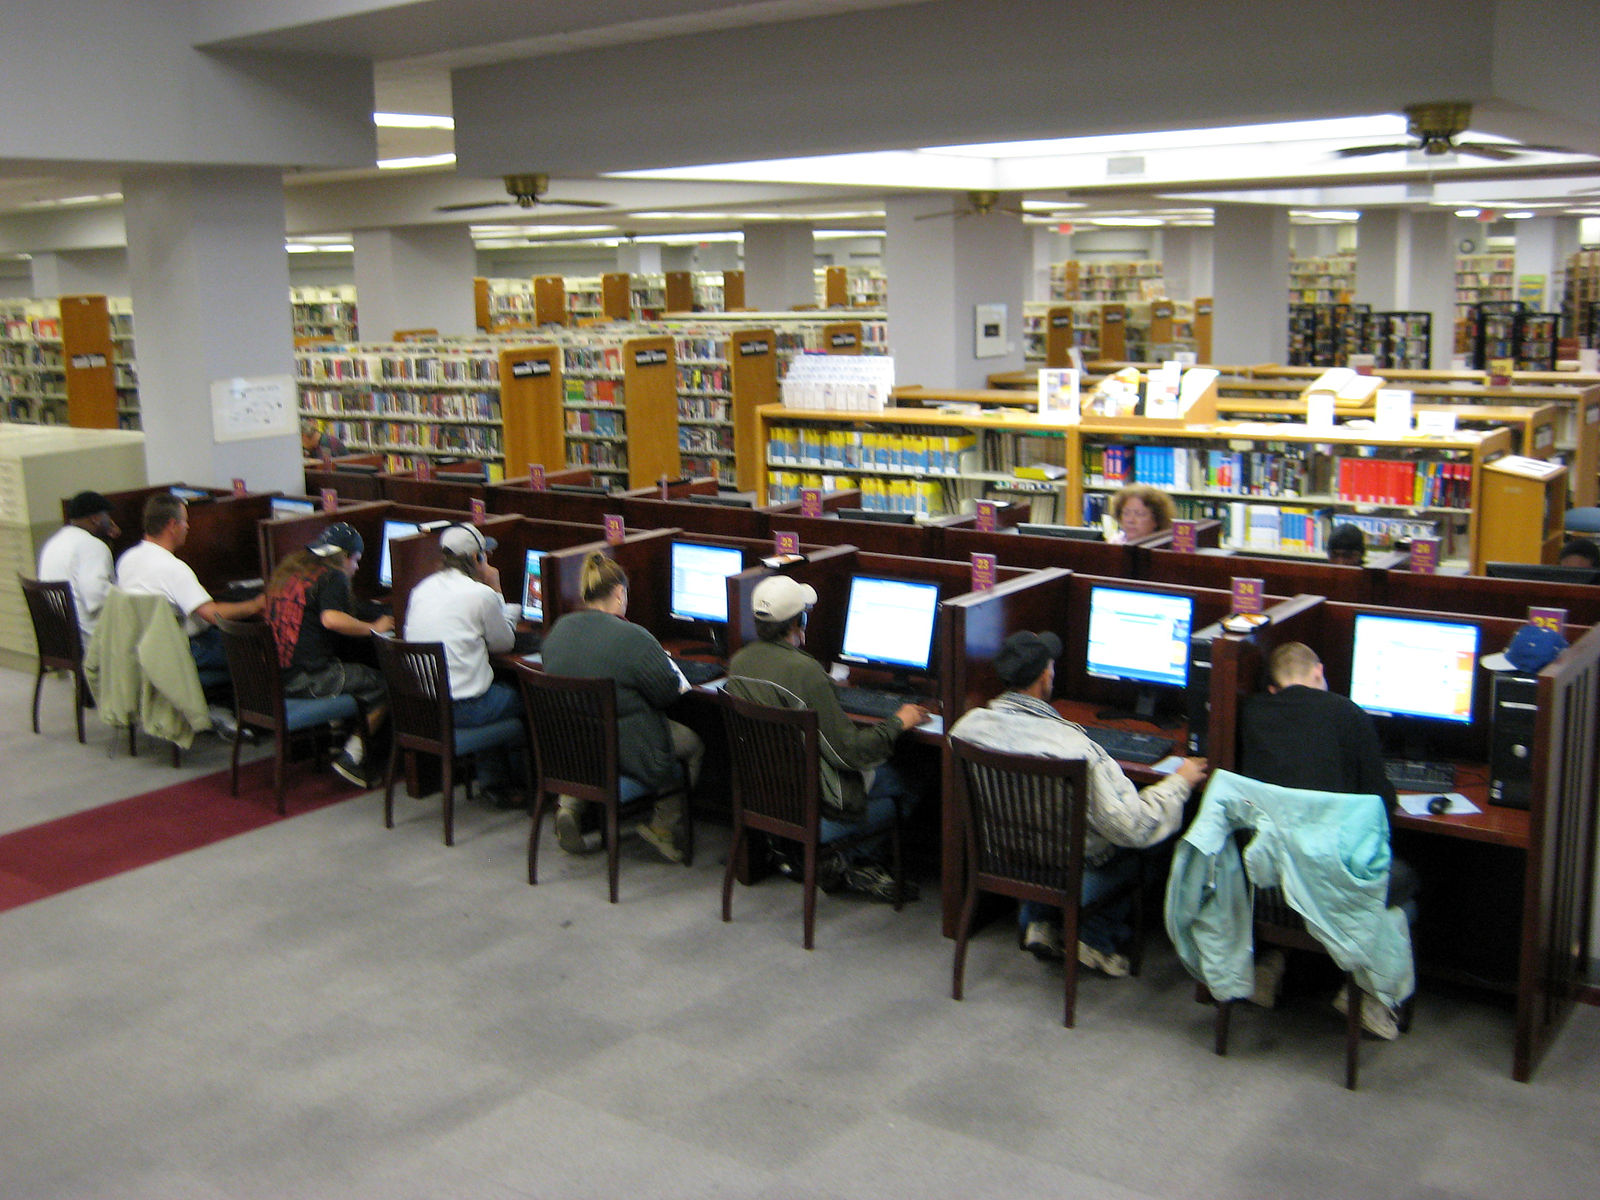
column 190, row 494
column 1139, row 637
column 724, row 501
column 579, row 489
column 533, row 586
column 882, row 516
column 292, row 506
column 699, row 581
column 1412, row 667
column 1078, row 533
column 392, row 530
column 890, row 623
column 357, row 468
column 1541, row 572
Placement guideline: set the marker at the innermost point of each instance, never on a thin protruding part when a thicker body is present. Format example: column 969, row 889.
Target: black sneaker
column 500, row 797
column 354, row 773
column 875, row 883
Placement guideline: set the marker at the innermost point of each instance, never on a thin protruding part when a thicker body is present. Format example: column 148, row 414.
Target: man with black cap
column 309, row 599
column 858, row 783
column 80, row 553
column 1121, row 819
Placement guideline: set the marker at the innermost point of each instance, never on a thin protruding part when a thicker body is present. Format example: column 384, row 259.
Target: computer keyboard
column 697, row 671
column 1125, row 745
column 869, row 702
column 525, row 641
column 1411, row 775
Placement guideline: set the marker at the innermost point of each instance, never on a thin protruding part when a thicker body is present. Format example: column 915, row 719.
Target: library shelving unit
column 1580, row 305
column 1136, row 279
column 503, row 305
column 584, row 299
column 709, row 290
column 124, row 364
column 324, row 314
column 88, row 360
column 724, row 377
column 33, row 380
column 647, row 297
column 619, row 406
column 851, row 287
column 1510, row 329
column 1325, row 335
column 798, row 332
column 1531, row 498
column 1399, row 340
column 1480, row 278
column 1324, row 280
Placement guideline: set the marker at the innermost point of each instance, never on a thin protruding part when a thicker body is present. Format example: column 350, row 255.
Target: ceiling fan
column 979, row 204
column 1435, row 128
column 525, row 191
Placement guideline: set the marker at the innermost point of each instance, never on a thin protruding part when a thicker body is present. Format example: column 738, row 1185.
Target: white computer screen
column 890, row 621
column 1139, row 636
column 699, row 580
column 292, row 506
column 392, row 530
column 1405, row 667
column 533, row 586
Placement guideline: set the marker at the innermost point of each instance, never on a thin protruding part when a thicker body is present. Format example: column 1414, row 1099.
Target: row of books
column 699, row 377
column 23, row 329
column 934, row 451
column 1008, row 451
column 1287, row 528
column 591, row 391
column 595, row 423
column 411, row 435
column 450, row 406
column 27, row 354
column 701, row 347
column 701, row 408
column 705, row 439
column 700, row 466
column 877, row 495
column 430, row 366
column 1430, row 484
column 609, row 456
column 591, row 358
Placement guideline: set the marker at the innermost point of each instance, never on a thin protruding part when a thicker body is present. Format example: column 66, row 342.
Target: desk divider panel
column 911, row 541
column 651, row 512
column 1035, row 551
column 1238, row 669
column 350, row 486
column 439, row 492
column 414, row 558
column 127, row 510
column 645, row 556
column 1284, row 577
column 222, row 541
column 1490, row 597
column 846, row 498
column 280, row 538
column 741, row 587
column 579, row 507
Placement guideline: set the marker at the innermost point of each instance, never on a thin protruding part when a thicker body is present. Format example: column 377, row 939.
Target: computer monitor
column 1141, row 638
column 192, row 495
column 533, row 586
column 880, row 515
column 700, row 572
column 392, row 530
column 292, row 506
column 579, row 489
column 890, row 623
column 1077, row 533
column 1414, row 667
column 724, row 501
column 1541, row 572
column 357, row 468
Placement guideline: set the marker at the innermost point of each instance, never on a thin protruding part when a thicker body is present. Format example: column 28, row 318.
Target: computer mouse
column 1438, row 805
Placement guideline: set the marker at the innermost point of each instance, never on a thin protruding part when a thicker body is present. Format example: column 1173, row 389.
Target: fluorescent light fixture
column 1330, row 214
column 1230, row 135
column 1516, row 216
column 320, row 248
column 1468, row 213
column 1124, row 222
column 420, row 160
column 1045, row 206
column 71, row 201
column 387, row 120
column 835, row 235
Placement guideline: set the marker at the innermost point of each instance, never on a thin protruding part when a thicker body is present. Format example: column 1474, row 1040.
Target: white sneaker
column 1113, row 965
column 1377, row 1018
column 1269, row 978
column 1043, row 940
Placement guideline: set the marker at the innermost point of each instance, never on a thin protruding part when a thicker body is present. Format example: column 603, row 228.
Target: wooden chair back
column 59, row 639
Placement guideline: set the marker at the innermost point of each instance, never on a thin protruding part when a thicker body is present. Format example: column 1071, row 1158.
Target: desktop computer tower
column 1515, row 704
column 1197, row 700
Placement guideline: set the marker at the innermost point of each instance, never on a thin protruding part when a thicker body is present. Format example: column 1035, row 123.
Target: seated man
column 1579, row 552
column 1298, row 734
column 1347, row 546
column 1122, row 820
column 153, row 568
column 79, row 552
column 858, row 783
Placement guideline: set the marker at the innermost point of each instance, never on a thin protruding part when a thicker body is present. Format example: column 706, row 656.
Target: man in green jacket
column 859, row 785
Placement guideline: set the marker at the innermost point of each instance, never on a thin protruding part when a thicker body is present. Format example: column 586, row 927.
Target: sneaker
column 830, row 871
column 1043, row 940
column 222, row 720
column 569, row 832
column 1269, row 978
column 356, row 774
column 501, row 797
column 1111, row 964
column 1377, row 1018
column 664, row 841
column 875, row 883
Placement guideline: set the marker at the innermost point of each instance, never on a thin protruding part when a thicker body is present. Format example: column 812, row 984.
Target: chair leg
column 279, row 739
column 735, row 848
column 1352, row 1031
column 533, row 835
column 963, row 932
column 177, row 756
column 1224, row 1011
column 809, row 903
column 80, row 701
column 895, row 860
column 612, row 849
column 447, row 783
column 388, row 783
column 1069, row 943
column 38, row 684
column 233, row 779
column 1136, row 951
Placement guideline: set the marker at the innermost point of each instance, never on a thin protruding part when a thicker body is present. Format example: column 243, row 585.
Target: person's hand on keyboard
column 1193, row 771
column 911, row 715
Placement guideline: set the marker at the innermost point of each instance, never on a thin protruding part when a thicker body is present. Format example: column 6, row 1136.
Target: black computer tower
column 1198, row 698
column 1515, row 700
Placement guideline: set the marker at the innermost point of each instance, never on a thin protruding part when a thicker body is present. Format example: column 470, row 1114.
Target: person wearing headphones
column 461, row 606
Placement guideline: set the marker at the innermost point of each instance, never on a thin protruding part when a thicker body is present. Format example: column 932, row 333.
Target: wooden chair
column 259, row 702
column 421, row 720
column 1025, row 818
column 775, row 757
column 574, row 723
column 60, row 641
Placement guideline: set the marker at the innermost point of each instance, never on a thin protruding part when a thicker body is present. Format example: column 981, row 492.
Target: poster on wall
column 255, row 407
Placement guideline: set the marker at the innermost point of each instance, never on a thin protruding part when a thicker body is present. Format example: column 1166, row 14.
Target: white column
column 1428, row 279
column 1186, row 252
column 940, row 270
column 639, row 258
column 778, row 261
column 1378, row 259
column 1250, row 276
column 46, row 272
column 414, row 277
column 209, row 281
column 1542, row 249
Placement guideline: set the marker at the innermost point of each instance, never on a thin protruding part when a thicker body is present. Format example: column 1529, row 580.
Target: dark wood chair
column 421, row 720
column 1025, row 818
column 574, row 723
column 775, row 758
column 259, row 702
column 60, row 641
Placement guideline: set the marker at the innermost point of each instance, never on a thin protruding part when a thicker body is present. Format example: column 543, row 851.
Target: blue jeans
column 1109, row 928
column 497, row 766
column 887, row 783
column 206, row 647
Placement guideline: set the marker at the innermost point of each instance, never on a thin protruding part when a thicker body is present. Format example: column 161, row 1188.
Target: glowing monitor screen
column 1142, row 637
column 533, row 587
column 292, row 506
column 192, row 495
column 890, row 622
column 1406, row 667
column 699, row 580
column 392, row 530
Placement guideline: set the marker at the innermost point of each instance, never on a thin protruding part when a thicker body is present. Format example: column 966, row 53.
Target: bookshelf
column 1322, row 280
column 531, row 390
column 1325, row 335
column 88, row 356
column 732, row 292
column 1402, row 340
column 1480, row 278
column 33, row 381
column 1580, row 304
column 851, row 287
column 1528, row 500
column 724, row 377
column 647, row 298
column 1509, row 329
column 1118, row 282
column 620, row 406
column 324, row 314
column 124, row 364
column 584, row 299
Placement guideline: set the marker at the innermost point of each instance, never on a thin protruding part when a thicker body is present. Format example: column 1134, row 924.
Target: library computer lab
column 763, row 636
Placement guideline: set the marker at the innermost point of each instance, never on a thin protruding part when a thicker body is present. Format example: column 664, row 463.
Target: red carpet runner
column 63, row 854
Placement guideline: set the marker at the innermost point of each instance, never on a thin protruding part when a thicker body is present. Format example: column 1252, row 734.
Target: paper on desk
column 1168, row 765
column 933, row 724
column 1416, row 803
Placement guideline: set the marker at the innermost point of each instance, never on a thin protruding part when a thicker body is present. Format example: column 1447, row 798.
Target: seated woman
column 598, row 642
column 1140, row 510
column 308, row 598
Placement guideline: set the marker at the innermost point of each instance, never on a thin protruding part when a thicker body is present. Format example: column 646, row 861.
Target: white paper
column 1416, row 803
column 1319, row 411
column 1392, row 413
column 1436, row 424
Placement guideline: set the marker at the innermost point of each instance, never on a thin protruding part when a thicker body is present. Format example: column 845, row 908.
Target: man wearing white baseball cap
column 858, row 783
column 461, row 606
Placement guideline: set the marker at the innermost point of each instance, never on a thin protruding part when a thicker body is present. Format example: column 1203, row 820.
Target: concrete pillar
column 1250, row 272
column 778, row 260
column 1378, row 259
column 1428, row 278
column 677, row 258
column 46, row 272
column 1186, row 252
column 940, row 270
column 209, row 281
column 414, row 277
column 639, row 258
column 1543, row 245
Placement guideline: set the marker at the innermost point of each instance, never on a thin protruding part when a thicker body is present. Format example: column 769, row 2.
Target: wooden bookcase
column 324, row 314
column 620, row 407
column 33, row 380
column 616, row 296
column 724, row 377
column 530, row 407
column 679, row 292
column 87, row 357
column 550, row 300
column 1522, row 515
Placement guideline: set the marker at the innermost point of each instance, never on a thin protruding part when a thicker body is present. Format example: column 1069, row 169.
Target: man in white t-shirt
column 79, row 552
column 153, row 568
